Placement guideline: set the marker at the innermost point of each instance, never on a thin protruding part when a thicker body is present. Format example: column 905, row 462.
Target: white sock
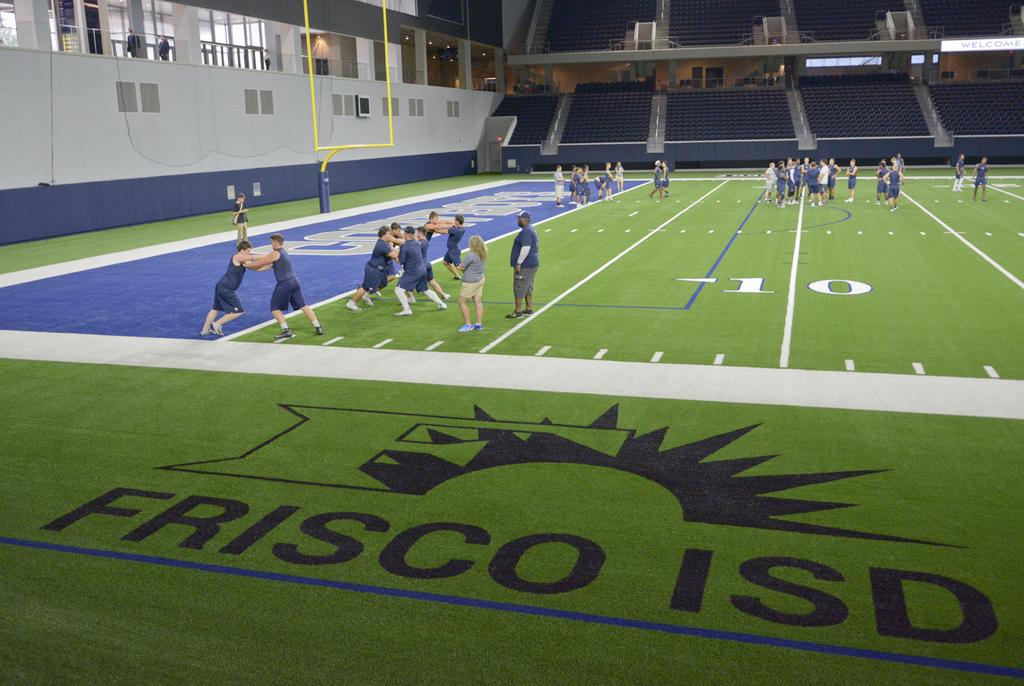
column 316, row 324
column 402, row 298
column 434, row 298
column 284, row 326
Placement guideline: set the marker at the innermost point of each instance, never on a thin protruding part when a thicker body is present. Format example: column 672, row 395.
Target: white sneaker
column 412, row 300
column 447, row 296
column 442, row 306
column 368, row 299
column 403, row 313
column 351, row 304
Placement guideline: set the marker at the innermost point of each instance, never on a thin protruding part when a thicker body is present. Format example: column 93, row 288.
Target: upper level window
column 859, row 61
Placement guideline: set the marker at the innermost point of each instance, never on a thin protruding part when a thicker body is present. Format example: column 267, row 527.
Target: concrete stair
column 805, row 139
column 554, row 137
column 536, row 38
column 931, row 117
column 656, row 130
column 661, row 17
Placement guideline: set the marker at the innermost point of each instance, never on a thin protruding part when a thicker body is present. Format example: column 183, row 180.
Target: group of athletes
column 399, row 254
column 785, row 181
column 579, row 183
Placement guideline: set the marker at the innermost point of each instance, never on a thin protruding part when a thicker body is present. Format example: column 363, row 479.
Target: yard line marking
column 1019, row 197
column 601, row 353
column 1000, row 268
column 572, row 231
column 600, row 230
column 384, row 342
column 891, row 233
column 490, row 346
column 922, row 233
column 633, row 214
column 830, row 233
column 543, row 351
column 547, row 230
column 918, row 367
column 333, row 340
column 987, row 233
column 719, row 359
column 787, row 329
column 628, row 230
column 860, row 233
column 684, row 231
column 721, row 256
column 992, row 373
column 433, row 346
column 334, row 298
column 657, row 356
column 850, row 366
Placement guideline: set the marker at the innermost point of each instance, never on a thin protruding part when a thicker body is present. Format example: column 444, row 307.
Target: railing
column 716, row 84
column 530, row 88
column 983, row 75
column 239, row 56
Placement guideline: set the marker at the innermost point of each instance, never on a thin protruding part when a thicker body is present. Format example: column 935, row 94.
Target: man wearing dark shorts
column 414, row 274
column 288, row 291
column 225, row 293
column 525, row 261
column 375, row 275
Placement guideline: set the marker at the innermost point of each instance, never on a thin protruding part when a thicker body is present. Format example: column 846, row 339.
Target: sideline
column 936, row 395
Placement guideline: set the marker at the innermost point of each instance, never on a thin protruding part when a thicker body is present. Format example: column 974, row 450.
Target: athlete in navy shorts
column 453, row 254
column 225, row 296
column 375, row 274
column 981, row 178
column 288, row 290
column 414, row 274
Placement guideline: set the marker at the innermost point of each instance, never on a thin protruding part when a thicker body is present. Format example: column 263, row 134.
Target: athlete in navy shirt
column 892, row 181
column 225, row 296
column 375, row 273
column 958, row 180
column 981, row 178
column 414, row 275
column 288, row 291
column 880, row 175
column 851, row 180
column 453, row 253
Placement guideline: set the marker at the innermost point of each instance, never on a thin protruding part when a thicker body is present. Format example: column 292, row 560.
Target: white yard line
column 434, row 346
column 543, row 351
column 558, row 298
column 787, row 331
column 633, row 214
column 918, row 368
column 87, row 263
column 971, row 397
column 850, row 367
column 1019, row 197
column 601, row 353
column 333, row 340
column 992, row 373
column 257, row 327
column 383, row 343
column 719, row 359
column 657, row 356
column 1000, row 268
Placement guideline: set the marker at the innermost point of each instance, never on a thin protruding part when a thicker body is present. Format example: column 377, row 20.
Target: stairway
column 1017, row 20
column 656, row 130
column 536, row 38
column 931, row 117
column 805, row 139
column 789, row 16
column 661, row 17
column 554, row 137
column 920, row 28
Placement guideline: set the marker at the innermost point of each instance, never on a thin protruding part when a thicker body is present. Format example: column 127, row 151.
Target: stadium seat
column 869, row 105
column 534, row 113
column 728, row 115
column 974, row 18
column 980, row 108
column 609, row 113
column 832, row 20
column 577, row 25
column 712, row 22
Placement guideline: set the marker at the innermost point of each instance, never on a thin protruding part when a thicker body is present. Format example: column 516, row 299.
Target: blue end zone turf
column 169, row 295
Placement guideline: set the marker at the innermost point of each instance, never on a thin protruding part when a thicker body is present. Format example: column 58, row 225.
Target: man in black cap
column 525, row 260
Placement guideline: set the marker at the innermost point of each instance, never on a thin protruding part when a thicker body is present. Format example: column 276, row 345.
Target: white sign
column 983, row 44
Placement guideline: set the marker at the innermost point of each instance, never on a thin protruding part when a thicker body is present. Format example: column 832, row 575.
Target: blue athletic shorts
column 226, row 300
column 880, row 187
column 373, row 279
column 287, row 293
column 813, row 188
column 414, row 282
column 894, row 192
column 980, row 182
column 832, row 183
column 851, row 182
column 453, row 257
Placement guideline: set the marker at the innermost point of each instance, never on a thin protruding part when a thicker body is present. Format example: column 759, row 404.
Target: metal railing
column 983, row 75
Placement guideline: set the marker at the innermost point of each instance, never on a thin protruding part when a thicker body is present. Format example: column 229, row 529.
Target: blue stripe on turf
column 714, row 634
column 700, row 286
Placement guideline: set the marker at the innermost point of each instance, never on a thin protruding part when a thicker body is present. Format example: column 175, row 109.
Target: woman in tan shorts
column 472, row 268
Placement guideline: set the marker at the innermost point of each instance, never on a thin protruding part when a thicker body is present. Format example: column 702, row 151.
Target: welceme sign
column 983, row 44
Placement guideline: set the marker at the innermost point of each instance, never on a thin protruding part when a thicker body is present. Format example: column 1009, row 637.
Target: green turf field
column 932, row 299
column 592, row 513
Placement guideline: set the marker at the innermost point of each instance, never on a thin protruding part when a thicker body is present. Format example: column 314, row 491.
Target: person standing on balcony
column 164, row 49
column 134, row 44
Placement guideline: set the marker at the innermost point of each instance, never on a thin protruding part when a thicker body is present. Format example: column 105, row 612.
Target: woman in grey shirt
column 473, row 283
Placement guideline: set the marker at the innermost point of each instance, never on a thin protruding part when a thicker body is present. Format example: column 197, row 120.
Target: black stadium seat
column 979, row 18
column 728, row 115
column 980, row 108
column 713, row 22
column 534, row 114
column 609, row 113
column 831, row 20
column 578, row 25
column 868, row 105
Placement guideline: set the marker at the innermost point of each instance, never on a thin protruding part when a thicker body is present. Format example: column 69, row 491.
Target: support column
column 499, row 70
column 364, row 58
column 466, row 64
column 672, row 75
column 32, row 18
column 83, row 28
column 420, row 38
column 285, row 42
column 187, row 47
column 136, row 20
column 103, row 8
column 549, row 73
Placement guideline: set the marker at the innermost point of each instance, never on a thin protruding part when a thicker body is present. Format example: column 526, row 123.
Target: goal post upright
column 323, row 180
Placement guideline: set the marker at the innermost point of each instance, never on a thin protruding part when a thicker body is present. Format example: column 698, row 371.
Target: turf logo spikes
column 435, row 450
